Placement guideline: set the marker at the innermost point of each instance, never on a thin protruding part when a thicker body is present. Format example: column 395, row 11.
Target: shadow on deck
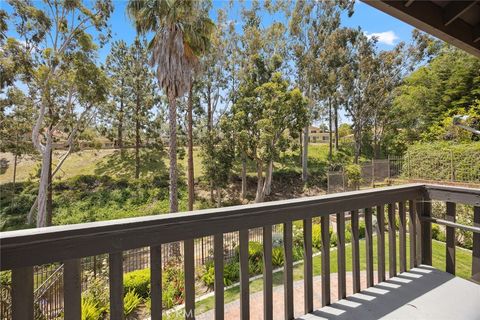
column 421, row 293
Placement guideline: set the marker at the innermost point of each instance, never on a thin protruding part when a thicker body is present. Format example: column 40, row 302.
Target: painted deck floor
column 421, row 293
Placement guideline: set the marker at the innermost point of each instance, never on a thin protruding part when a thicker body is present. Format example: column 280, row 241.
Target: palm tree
column 182, row 31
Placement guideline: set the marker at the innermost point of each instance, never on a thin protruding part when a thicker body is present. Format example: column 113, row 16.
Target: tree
column 311, row 24
column 357, row 79
column 181, row 34
column 117, row 67
column 218, row 154
column 61, row 74
column 143, row 93
column 428, row 98
column 16, row 125
column 266, row 110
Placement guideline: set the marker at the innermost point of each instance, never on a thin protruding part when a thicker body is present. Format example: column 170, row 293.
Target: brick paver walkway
column 232, row 309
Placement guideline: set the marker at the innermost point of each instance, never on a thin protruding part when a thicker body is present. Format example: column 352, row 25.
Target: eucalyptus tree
column 58, row 66
column 181, row 31
column 311, row 24
column 267, row 113
column 358, row 79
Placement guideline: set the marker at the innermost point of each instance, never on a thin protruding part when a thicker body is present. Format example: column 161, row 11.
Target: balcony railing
column 22, row 250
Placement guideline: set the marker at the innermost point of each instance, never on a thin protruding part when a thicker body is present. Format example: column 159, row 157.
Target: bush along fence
column 443, row 162
column 440, row 162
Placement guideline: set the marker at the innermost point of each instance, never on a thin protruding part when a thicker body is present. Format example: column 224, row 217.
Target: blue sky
column 389, row 30
column 374, row 22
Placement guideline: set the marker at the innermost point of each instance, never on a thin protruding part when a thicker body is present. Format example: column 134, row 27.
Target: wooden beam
column 455, row 9
column 428, row 17
column 409, row 3
column 476, row 33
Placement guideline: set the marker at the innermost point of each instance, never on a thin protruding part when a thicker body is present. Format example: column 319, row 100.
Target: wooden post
column 450, row 247
column 476, row 246
column 426, row 233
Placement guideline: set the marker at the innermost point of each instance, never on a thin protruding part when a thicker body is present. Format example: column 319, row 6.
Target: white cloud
column 387, row 37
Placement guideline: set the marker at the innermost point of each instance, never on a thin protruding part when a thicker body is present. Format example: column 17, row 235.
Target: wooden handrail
column 51, row 244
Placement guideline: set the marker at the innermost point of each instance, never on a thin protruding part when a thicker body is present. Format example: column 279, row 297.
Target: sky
column 388, row 30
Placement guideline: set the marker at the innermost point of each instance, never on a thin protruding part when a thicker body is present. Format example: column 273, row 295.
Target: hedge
column 443, row 161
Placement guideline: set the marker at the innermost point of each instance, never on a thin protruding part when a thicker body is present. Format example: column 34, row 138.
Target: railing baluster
column 325, row 230
column 418, row 235
column 22, row 293
column 402, row 236
column 381, row 242
column 115, row 265
column 72, row 294
column 307, row 267
column 156, row 282
column 355, row 251
column 412, row 231
column 426, row 235
column 392, row 241
column 450, row 238
column 369, row 245
column 267, row 273
column 288, row 269
column 342, row 283
column 218, row 262
column 189, row 269
column 244, row 276
column 476, row 246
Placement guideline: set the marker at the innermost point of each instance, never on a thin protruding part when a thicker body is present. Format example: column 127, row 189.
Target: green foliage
column 430, row 96
column 91, row 309
column 138, row 282
column 277, row 257
column 353, row 173
column 438, row 233
column 131, row 301
column 439, row 160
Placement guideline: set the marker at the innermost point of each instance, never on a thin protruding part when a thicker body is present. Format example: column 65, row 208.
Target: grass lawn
column 463, row 269
column 98, row 162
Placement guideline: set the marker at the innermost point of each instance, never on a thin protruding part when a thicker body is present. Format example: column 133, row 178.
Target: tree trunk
column 244, row 176
column 259, row 197
column 172, row 154
column 301, row 147
column 330, row 134
column 172, row 112
column 120, row 129
column 137, row 139
column 305, row 155
column 267, row 189
column 43, row 184
column 219, row 197
column 191, row 187
column 358, row 142
column 50, row 193
column 14, row 171
column 336, row 125
column 209, row 110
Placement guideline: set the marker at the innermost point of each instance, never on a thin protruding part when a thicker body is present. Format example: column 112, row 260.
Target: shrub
column 91, row 309
column 173, row 284
column 434, row 161
column 137, row 281
column 277, row 256
column 438, row 233
column 353, row 173
column 130, row 302
column 231, row 274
